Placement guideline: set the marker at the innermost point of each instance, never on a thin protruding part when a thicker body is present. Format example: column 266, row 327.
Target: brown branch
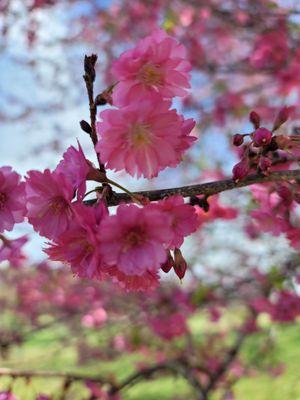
column 172, row 367
column 207, row 189
column 231, row 355
column 89, row 78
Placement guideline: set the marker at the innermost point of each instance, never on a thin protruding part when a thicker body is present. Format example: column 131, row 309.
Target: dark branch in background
column 207, row 189
column 173, row 367
column 89, row 78
column 218, row 374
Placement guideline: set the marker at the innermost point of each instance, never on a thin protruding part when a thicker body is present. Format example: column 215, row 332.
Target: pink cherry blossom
column 156, row 65
column 146, row 282
column 134, row 239
column 12, row 199
column 143, row 138
column 169, row 327
column 11, row 250
column 75, row 168
column 80, row 244
column 49, row 196
column 182, row 216
column 271, row 50
column 268, row 222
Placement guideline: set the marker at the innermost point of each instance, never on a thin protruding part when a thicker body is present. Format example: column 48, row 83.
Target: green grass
column 43, row 351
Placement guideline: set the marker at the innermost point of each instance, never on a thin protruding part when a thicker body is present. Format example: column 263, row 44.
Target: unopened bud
column 264, row 164
column 262, row 137
column 85, row 126
column 254, row 119
column 238, row 139
column 240, row 170
column 103, row 98
column 180, row 265
column 281, row 118
column 168, row 264
column 89, row 66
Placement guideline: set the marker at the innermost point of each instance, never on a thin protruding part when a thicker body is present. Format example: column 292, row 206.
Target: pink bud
column 180, row 266
column 262, row 137
column 168, row 264
column 281, row 118
column 238, row 139
column 254, row 119
column 264, row 163
column 240, row 170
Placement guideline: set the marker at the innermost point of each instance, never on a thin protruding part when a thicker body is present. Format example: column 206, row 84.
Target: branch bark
column 207, row 189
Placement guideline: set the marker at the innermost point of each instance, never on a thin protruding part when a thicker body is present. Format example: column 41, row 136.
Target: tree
column 140, row 133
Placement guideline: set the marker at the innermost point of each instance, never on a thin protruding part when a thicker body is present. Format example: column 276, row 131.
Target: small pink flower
column 49, row 196
column 11, row 250
column 75, row 168
column 134, row 240
column 80, row 244
column 169, row 327
column 182, row 216
column 12, row 199
column 143, row 138
column 156, row 65
column 267, row 221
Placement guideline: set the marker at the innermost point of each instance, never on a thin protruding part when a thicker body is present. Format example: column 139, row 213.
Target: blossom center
column 140, row 135
column 133, row 239
column 3, row 198
column 151, row 75
column 58, row 204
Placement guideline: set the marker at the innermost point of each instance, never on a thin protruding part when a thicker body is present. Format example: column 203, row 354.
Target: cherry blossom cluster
column 144, row 135
column 277, row 211
column 141, row 135
column 265, row 149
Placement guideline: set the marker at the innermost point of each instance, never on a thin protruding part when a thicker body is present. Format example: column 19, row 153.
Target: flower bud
column 168, row 264
column 262, row 137
column 254, row 119
column 281, row 118
column 85, row 126
column 180, row 265
column 240, row 170
column 264, row 164
column 103, row 98
column 238, row 139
